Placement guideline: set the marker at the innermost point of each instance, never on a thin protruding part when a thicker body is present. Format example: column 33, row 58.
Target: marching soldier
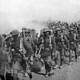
column 58, row 41
column 27, row 42
column 15, row 40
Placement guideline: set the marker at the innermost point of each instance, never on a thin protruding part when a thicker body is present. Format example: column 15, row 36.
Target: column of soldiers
column 58, row 44
column 60, row 39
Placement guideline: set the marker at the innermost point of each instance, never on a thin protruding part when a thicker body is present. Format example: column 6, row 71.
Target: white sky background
column 17, row 13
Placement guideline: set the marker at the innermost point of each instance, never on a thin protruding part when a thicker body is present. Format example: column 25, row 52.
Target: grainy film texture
column 39, row 39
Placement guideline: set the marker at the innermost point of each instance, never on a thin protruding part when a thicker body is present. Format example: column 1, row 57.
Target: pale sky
column 18, row 13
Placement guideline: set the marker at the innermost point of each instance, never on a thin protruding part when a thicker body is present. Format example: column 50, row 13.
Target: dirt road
column 71, row 72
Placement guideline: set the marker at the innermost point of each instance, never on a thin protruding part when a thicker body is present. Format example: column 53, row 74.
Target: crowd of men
column 57, row 44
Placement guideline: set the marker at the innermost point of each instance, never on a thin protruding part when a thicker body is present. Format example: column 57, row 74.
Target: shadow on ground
column 71, row 72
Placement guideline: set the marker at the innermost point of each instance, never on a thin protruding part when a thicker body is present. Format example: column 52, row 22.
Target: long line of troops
column 58, row 43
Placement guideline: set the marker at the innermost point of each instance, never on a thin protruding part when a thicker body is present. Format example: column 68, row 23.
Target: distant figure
column 0, row 41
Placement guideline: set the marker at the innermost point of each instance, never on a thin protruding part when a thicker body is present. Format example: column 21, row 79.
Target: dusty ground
column 71, row 72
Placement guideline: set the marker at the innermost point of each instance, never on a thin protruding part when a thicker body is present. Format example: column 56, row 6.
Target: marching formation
column 57, row 44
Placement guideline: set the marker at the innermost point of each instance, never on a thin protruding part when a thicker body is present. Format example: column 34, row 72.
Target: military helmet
column 45, row 30
column 14, row 32
column 25, row 30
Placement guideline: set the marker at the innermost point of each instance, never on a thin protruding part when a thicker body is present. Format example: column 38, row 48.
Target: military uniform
column 46, row 52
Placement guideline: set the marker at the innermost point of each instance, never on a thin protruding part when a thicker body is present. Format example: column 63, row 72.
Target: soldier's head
column 14, row 33
column 46, row 32
column 26, row 32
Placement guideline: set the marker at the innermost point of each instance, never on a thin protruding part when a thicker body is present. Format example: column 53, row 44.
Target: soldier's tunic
column 28, row 47
column 46, row 50
column 15, row 43
column 0, row 41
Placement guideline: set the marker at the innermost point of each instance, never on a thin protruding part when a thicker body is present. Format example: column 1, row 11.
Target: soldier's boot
column 76, row 56
column 60, row 61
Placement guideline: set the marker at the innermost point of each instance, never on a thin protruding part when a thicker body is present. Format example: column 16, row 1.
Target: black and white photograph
column 39, row 39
